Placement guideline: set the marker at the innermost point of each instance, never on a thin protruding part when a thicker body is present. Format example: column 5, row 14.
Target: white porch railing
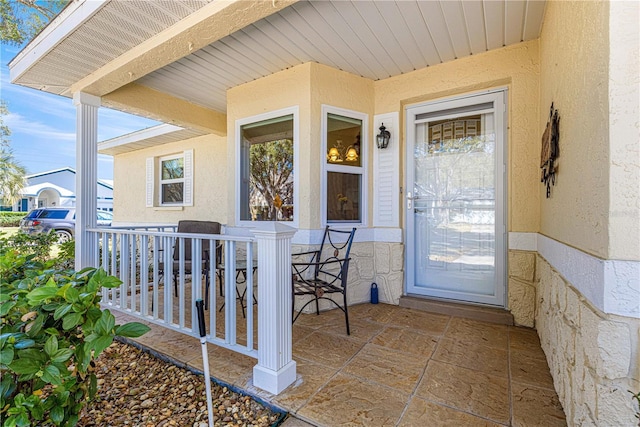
column 144, row 261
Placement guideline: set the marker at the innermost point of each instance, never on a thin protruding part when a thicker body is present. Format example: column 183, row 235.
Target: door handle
column 409, row 201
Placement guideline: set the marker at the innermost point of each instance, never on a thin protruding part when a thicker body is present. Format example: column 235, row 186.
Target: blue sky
column 43, row 135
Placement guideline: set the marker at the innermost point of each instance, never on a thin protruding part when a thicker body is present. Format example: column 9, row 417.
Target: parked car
column 61, row 221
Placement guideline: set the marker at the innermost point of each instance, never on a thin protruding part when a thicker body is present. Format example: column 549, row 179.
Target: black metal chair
column 325, row 273
column 195, row 227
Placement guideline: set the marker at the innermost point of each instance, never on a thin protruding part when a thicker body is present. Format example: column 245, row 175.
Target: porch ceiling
column 373, row 39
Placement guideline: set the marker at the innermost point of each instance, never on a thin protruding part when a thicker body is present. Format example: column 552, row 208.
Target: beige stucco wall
column 515, row 67
column 288, row 88
column 209, row 188
column 307, row 86
column 574, row 47
column 624, row 130
column 594, row 357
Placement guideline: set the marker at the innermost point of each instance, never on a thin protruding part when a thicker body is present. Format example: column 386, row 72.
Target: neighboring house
column 57, row 188
column 453, row 208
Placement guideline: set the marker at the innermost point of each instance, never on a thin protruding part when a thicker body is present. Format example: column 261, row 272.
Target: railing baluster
column 249, row 295
column 230, row 292
column 196, row 279
column 113, row 272
column 124, row 268
column 144, row 275
column 213, row 274
column 168, row 277
column 133, row 248
column 156, row 275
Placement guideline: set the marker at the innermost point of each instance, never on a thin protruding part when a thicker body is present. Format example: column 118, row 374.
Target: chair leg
column 175, row 285
column 317, row 304
column 206, row 290
column 346, row 314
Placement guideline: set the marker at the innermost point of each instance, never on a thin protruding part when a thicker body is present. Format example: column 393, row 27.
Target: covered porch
column 398, row 367
column 235, row 75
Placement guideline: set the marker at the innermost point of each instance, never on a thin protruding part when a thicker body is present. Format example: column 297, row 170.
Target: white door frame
column 499, row 99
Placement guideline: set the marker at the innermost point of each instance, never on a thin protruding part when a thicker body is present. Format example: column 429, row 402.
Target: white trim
column 83, row 98
column 150, row 181
column 386, row 173
column 187, row 195
column 295, row 111
column 523, row 241
column 355, row 170
column 314, row 236
column 613, row 286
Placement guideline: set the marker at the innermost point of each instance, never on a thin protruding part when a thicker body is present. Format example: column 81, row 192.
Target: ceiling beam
column 211, row 23
column 143, row 101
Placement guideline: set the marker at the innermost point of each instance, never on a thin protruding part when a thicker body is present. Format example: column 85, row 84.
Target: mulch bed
column 138, row 389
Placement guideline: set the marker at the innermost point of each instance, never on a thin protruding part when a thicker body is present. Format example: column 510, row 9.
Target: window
column 266, row 184
column 344, row 147
column 170, row 180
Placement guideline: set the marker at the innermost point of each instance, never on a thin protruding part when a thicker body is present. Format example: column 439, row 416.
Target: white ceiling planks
column 494, row 23
column 474, row 22
column 373, row 39
column 514, row 20
column 416, row 26
column 533, row 19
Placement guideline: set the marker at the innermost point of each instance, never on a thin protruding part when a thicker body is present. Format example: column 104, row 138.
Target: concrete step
column 469, row 311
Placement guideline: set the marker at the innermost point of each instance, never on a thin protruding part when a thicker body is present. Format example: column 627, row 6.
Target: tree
column 271, row 174
column 21, row 20
column 11, row 172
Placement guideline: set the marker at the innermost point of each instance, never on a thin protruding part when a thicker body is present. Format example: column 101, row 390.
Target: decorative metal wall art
column 550, row 150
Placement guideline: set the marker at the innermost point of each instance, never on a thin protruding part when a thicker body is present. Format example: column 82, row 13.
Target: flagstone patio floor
column 399, row 367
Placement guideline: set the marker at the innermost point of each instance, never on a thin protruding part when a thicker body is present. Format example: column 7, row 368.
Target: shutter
column 188, row 178
column 386, row 172
column 150, row 182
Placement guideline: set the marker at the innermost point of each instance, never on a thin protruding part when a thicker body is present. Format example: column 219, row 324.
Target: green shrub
column 52, row 330
column 38, row 245
column 11, row 219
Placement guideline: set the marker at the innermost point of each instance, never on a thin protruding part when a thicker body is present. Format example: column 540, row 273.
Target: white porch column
column 86, row 177
column 275, row 370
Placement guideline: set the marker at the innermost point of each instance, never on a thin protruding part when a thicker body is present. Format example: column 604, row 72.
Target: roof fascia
column 136, row 136
column 51, row 172
column 70, row 18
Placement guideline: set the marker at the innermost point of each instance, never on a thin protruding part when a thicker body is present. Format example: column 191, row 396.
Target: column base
column 274, row 381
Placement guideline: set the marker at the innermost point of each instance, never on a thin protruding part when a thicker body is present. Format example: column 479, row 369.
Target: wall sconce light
column 383, row 137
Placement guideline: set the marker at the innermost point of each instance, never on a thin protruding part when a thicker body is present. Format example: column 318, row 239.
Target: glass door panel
column 453, row 207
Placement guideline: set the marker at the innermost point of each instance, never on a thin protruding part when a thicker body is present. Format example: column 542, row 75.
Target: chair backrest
column 195, row 227
column 336, row 245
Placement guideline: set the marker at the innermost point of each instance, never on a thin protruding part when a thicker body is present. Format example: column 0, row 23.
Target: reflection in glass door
column 455, row 203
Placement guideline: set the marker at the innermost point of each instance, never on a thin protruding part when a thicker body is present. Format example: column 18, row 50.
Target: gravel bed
column 137, row 389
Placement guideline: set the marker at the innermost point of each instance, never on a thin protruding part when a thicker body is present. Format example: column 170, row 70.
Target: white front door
column 455, row 208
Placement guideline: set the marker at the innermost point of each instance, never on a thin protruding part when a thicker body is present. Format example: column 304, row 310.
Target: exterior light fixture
column 383, row 137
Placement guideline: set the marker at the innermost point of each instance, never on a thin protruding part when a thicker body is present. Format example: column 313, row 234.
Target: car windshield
column 34, row 214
